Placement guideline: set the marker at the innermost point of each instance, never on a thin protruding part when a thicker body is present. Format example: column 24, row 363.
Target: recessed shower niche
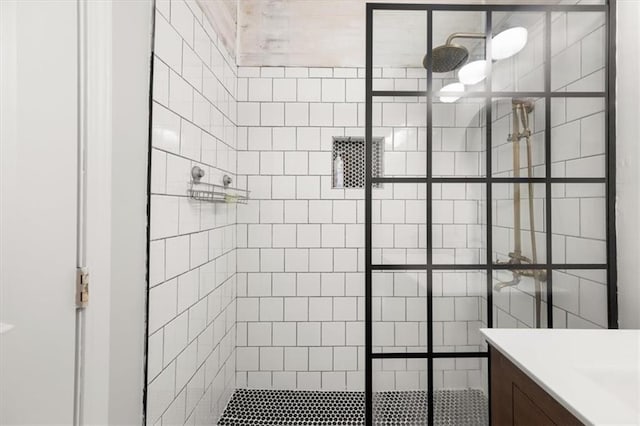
column 348, row 162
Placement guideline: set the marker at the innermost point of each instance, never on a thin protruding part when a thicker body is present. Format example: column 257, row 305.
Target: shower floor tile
column 466, row 407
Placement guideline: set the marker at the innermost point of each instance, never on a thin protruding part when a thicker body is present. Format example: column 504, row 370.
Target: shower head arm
column 465, row 35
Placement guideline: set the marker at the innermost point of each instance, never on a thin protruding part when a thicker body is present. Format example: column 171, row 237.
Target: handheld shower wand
column 521, row 110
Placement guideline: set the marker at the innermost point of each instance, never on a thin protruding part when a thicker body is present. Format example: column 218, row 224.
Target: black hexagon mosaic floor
column 466, row 407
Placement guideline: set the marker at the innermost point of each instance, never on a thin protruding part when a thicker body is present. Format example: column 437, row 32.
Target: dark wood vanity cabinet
column 518, row 400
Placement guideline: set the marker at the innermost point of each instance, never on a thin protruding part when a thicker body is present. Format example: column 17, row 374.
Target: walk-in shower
column 477, row 191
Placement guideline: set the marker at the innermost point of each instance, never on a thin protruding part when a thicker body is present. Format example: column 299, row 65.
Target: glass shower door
column 494, row 204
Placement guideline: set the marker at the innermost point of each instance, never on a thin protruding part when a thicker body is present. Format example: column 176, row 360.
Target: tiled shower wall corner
column 300, row 242
column 578, row 150
column 192, row 296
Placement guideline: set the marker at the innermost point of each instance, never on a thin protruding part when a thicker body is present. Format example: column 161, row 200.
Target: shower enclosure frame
column 608, row 95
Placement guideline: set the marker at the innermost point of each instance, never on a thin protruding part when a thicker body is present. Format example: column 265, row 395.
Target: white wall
column 131, row 61
column 38, row 149
column 628, row 163
column 117, row 110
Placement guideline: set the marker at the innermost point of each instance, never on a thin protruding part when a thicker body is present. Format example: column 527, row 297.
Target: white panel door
column 38, row 204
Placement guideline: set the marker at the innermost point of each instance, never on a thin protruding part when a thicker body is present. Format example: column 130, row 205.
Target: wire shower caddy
column 214, row 193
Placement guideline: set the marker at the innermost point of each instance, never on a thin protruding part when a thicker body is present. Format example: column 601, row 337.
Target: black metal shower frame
column 608, row 95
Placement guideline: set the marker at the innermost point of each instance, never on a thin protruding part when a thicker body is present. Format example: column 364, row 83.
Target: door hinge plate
column 82, row 287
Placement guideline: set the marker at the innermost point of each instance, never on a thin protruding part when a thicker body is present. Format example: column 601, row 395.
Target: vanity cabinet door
column 526, row 412
column 517, row 400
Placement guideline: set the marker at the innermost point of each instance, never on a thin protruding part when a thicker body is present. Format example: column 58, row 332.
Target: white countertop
column 595, row 374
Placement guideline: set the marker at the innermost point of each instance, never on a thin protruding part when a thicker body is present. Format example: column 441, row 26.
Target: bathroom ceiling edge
column 279, row 32
column 223, row 17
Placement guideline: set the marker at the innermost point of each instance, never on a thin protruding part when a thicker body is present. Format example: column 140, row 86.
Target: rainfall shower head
column 450, row 56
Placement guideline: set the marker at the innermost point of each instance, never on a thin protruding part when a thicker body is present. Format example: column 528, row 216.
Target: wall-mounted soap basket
column 214, row 193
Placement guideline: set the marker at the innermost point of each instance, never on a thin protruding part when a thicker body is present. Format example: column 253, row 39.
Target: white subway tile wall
column 577, row 150
column 192, row 296
column 300, row 242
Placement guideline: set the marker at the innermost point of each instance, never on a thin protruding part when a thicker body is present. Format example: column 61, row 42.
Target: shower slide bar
column 522, row 107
